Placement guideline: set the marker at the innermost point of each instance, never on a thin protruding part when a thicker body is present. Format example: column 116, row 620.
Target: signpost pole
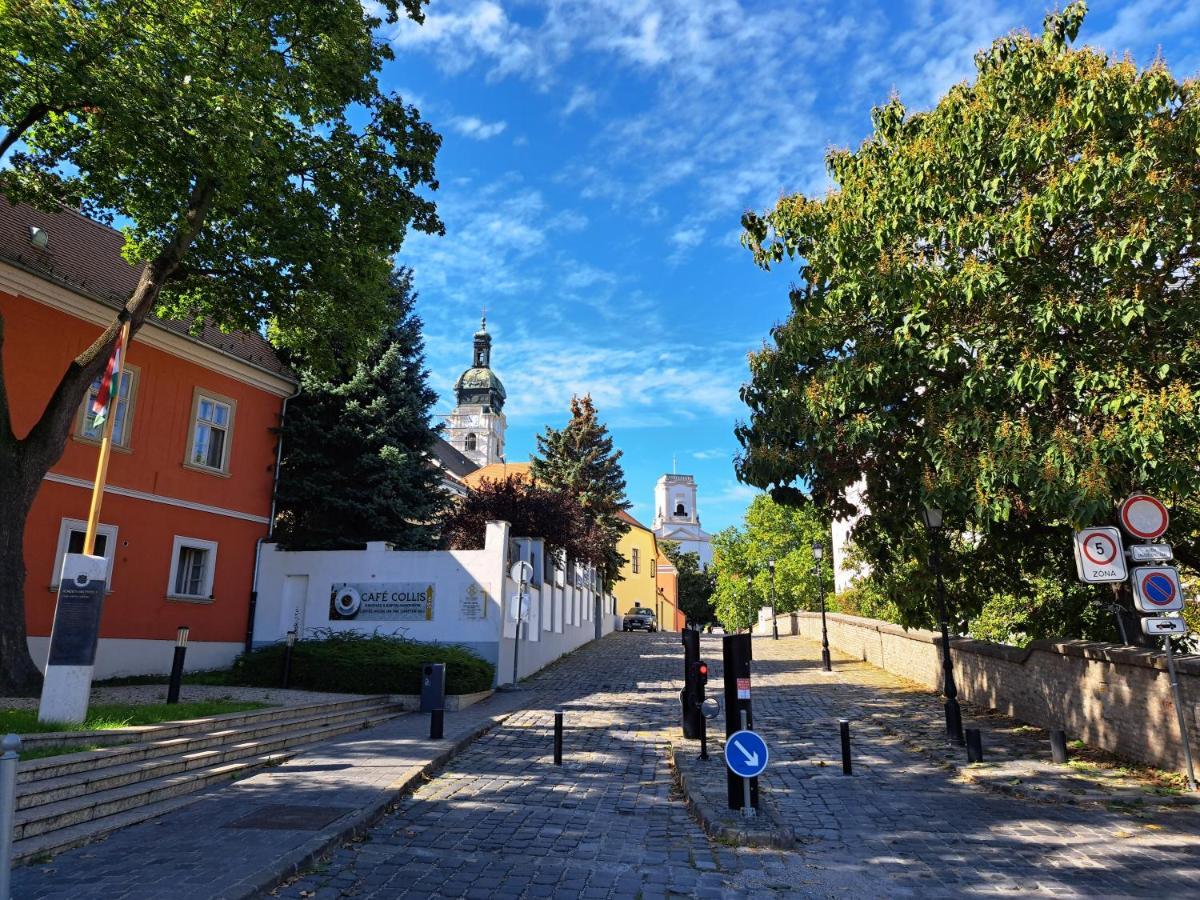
column 747, row 808
column 1183, row 731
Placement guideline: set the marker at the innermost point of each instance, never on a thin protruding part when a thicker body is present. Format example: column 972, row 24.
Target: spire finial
column 483, row 320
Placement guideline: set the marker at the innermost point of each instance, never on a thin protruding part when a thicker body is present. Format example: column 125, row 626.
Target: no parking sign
column 1156, row 589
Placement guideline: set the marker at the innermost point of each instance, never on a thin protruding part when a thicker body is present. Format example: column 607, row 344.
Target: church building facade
column 476, row 426
column 676, row 517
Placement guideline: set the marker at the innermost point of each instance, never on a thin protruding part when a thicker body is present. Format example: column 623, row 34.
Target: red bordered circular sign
column 1144, row 517
column 1099, row 548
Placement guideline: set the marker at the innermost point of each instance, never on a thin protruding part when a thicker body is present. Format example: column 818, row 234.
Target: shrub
column 346, row 662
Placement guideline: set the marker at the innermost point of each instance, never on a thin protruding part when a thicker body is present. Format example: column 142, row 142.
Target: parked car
column 640, row 617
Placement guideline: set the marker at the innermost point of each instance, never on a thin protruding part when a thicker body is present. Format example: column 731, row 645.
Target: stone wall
column 1110, row 696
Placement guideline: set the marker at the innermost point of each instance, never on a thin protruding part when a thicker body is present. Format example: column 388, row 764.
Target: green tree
column 695, row 585
column 771, row 531
column 356, row 448
column 996, row 315
column 260, row 175
column 580, row 460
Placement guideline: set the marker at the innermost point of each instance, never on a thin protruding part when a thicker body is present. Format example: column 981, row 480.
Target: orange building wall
column 39, row 343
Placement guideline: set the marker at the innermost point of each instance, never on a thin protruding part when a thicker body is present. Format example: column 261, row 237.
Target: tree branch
column 27, row 121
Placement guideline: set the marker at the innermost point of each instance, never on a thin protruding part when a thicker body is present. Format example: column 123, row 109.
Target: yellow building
column 641, row 583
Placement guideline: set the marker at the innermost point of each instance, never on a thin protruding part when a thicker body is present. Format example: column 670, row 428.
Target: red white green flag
column 104, row 396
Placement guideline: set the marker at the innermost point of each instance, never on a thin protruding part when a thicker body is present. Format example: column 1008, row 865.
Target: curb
column 773, row 834
column 302, row 857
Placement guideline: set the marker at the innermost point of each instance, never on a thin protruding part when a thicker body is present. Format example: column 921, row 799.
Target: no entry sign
column 1099, row 556
column 1156, row 589
column 1144, row 517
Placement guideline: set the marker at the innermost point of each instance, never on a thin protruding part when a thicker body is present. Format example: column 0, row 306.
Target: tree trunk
column 18, row 674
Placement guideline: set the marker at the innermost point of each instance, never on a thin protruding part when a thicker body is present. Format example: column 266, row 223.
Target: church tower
column 676, row 517
column 476, row 426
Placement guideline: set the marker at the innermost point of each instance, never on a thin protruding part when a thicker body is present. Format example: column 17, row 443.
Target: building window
column 636, row 561
column 212, row 431
column 71, row 533
column 193, row 562
column 90, row 430
column 470, row 442
column 679, row 510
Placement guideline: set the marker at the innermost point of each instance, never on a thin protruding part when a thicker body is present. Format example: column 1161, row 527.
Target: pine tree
column 580, row 459
column 356, row 448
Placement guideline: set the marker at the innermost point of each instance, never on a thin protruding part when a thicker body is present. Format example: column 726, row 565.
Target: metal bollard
column 289, row 647
column 974, row 745
column 558, row 726
column 703, row 738
column 8, row 798
column 844, row 726
column 181, row 640
column 437, row 718
column 1058, row 745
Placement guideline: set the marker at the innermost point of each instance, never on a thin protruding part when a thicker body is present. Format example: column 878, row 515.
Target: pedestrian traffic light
column 701, row 673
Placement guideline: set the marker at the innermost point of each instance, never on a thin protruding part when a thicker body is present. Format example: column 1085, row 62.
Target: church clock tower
column 476, row 426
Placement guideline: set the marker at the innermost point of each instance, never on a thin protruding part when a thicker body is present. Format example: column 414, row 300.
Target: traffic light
column 701, row 668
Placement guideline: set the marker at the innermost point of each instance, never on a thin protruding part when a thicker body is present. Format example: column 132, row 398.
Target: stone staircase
column 68, row 800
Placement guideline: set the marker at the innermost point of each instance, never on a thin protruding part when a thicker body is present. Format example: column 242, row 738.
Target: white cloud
column 475, row 128
column 712, row 454
column 581, row 98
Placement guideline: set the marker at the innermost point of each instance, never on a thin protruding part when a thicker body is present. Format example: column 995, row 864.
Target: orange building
column 647, row 579
column 191, row 478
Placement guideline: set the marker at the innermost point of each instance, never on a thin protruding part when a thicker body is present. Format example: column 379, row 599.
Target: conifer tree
column 580, row 459
column 356, row 448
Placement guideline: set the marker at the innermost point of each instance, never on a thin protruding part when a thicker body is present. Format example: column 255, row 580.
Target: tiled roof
column 627, row 518
column 452, row 460
column 85, row 257
column 497, row 472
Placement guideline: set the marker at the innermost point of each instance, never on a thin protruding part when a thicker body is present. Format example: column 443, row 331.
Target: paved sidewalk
column 236, row 839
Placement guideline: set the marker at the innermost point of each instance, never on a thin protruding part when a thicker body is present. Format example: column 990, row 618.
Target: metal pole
column 703, row 738
column 974, row 745
column 437, row 723
column 517, row 633
column 825, row 663
column 558, row 735
column 954, row 731
column 8, row 798
column 747, row 809
column 176, row 678
column 774, row 620
column 844, row 728
column 1116, row 608
column 1183, row 732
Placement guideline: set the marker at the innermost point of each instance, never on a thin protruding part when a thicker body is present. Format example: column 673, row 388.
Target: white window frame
column 132, row 375
column 635, row 561
column 65, row 527
column 206, row 589
column 198, row 395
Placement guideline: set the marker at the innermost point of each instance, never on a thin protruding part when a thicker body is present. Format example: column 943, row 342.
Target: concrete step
column 300, row 718
column 141, row 733
column 58, row 824
column 78, row 784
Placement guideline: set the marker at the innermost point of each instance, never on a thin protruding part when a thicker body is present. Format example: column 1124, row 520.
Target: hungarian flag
column 103, row 396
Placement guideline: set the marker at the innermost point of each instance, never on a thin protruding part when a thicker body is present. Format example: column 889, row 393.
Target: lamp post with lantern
column 818, row 551
column 932, row 518
column 774, row 621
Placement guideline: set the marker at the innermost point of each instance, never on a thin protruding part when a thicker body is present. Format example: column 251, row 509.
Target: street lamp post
column 818, row 550
column 750, row 603
column 932, row 517
column 774, row 621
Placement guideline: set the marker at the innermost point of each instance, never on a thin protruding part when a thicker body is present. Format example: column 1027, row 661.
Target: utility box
column 433, row 686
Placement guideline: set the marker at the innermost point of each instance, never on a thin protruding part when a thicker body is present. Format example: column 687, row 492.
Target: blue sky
column 598, row 156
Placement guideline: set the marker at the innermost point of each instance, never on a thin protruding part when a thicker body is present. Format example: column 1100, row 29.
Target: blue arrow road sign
column 746, row 754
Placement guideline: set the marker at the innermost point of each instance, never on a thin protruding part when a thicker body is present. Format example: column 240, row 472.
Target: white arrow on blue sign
column 746, row 754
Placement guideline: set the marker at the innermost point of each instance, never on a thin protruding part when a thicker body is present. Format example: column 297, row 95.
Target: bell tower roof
column 479, row 384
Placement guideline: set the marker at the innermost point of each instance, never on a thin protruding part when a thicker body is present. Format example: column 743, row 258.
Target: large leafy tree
column 356, row 448
column 996, row 314
column 260, row 174
column 580, row 460
column 741, row 556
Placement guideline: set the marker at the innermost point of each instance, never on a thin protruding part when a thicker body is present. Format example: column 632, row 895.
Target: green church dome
column 480, row 379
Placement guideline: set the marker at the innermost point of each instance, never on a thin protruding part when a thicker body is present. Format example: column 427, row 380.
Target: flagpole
column 89, row 540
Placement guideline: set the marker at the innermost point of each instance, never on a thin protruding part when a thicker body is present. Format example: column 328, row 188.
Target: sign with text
column 1157, row 589
column 1099, row 556
column 77, row 615
column 380, row 601
column 473, row 604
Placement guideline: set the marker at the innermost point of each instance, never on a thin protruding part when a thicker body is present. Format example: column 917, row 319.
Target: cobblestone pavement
column 502, row 821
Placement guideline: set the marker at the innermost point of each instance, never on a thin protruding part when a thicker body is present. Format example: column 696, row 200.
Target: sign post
column 73, row 638
column 521, row 573
column 1183, row 731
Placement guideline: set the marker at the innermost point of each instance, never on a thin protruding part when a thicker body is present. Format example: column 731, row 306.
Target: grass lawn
column 119, row 715
column 55, row 750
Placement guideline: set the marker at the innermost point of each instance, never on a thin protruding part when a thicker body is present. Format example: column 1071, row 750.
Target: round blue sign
column 1158, row 589
column 746, row 754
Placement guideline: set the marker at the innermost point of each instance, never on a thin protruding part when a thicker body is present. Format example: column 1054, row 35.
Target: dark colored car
column 640, row 617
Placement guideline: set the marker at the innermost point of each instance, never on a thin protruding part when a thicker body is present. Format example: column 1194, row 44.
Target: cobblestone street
column 502, row 821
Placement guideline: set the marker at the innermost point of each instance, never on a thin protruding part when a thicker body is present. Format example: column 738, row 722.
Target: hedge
column 351, row 663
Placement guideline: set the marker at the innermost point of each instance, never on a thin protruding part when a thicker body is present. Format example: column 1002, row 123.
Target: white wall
column 128, row 656
column 294, row 591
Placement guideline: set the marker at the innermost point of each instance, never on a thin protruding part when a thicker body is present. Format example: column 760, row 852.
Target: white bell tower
column 476, row 426
column 677, row 517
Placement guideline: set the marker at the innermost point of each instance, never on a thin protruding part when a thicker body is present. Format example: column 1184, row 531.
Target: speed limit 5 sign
column 1099, row 556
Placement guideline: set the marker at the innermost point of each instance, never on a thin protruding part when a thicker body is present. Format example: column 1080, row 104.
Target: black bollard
column 1058, row 745
column 181, row 639
column 558, row 728
column 436, row 722
column 703, row 738
column 974, row 745
column 844, row 725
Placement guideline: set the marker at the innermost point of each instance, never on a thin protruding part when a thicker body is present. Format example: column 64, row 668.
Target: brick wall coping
column 1118, row 654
